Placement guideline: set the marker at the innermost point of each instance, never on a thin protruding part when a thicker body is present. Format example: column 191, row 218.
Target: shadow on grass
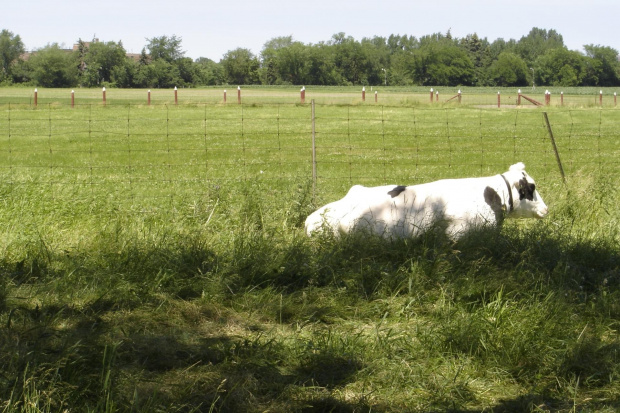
column 177, row 361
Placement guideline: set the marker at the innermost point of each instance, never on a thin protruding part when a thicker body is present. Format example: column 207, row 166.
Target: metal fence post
column 313, row 150
column 555, row 148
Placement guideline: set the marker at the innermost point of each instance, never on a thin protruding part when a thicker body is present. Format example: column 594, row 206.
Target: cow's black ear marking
column 526, row 190
column 396, row 191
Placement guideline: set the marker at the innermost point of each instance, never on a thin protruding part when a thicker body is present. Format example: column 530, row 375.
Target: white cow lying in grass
column 456, row 205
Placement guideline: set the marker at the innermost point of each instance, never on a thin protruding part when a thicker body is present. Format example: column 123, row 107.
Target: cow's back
column 406, row 211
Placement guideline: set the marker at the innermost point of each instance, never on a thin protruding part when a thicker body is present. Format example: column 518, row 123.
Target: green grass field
column 154, row 260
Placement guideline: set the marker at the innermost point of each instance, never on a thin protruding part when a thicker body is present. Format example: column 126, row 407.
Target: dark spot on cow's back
column 397, row 191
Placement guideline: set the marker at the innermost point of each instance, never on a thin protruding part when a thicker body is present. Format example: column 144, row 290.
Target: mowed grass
column 154, row 260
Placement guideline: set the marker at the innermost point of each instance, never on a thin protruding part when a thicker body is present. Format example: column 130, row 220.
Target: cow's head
column 527, row 202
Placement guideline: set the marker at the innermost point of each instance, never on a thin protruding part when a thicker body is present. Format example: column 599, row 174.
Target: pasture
column 154, row 259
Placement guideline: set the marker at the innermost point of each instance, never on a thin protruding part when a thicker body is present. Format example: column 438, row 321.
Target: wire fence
column 142, row 154
column 484, row 97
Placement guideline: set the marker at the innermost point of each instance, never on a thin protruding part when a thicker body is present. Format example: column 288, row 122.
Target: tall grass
column 218, row 302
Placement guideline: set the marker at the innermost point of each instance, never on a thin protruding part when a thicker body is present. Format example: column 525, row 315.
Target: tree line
column 539, row 57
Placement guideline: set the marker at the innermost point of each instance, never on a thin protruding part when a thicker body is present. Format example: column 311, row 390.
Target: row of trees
column 437, row 59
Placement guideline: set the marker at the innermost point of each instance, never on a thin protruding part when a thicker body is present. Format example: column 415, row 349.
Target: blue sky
column 211, row 28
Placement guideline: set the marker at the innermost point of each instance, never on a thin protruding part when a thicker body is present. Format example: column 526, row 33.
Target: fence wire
column 184, row 152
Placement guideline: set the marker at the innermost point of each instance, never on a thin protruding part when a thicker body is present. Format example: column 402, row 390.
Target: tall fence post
column 239, row 94
column 376, row 96
column 303, row 94
column 103, row 92
column 148, row 98
column 314, row 177
column 561, row 98
column 363, row 94
column 224, row 95
column 459, row 98
column 437, row 96
column 499, row 100
column 36, row 97
column 431, row 95
column 600, row 98
column 176, row 96
column 519, row 97
column 73, row 98
column 555, row 148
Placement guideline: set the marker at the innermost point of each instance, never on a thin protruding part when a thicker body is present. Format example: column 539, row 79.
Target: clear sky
column 211, row 28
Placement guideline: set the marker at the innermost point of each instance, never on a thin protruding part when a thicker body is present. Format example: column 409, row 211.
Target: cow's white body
column 453, row 205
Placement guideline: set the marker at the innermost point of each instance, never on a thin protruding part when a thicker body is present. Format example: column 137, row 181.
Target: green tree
column 11, row 48
column 54, row 67
column 158, row 74
column 165, row 48
column 479, row 52
column 351, row 60
column 397, row 43
column 292, row 64
column 240, row 67
column 321, row 67
column 123, row 75
column 560, row 67
column 269, row 73
column 603, row 68
column 208, row 72
column 401, row 69
column 442, row 63
column 508, row 70
column 537, row 43
column 101, row 60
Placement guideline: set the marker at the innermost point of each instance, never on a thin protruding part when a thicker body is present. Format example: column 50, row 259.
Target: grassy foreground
column 216, row 300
